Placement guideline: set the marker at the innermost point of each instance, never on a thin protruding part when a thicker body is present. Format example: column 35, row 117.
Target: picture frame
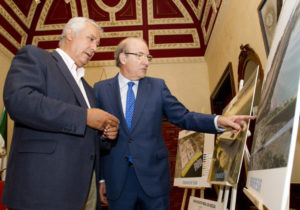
column 269, row 11
column 223, row 92
column 229, row 148
column 272, row 153
column 193, row 158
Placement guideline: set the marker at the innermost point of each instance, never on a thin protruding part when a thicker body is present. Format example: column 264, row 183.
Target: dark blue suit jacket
column 144, row 141
column 53, row 152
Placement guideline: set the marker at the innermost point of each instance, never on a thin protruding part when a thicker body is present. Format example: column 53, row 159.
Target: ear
column 122, row 58
column 69, row 34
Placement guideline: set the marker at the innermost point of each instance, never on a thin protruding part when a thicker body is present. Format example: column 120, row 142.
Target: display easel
column 256, row 201
column 195, row 183
column 224, row 198
column 225, row 187
column 224, row 190
column 193, row 191
column 223, row 195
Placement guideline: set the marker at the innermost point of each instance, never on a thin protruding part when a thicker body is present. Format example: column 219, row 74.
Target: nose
column 94, row 46
column 145, row 60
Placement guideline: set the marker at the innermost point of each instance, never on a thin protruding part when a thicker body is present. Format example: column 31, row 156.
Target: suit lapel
column 115, row 96
column 141, row 98
column 67, row 74
column 90, row 93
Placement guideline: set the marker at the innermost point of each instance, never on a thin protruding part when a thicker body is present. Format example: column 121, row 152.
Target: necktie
column 129, row 105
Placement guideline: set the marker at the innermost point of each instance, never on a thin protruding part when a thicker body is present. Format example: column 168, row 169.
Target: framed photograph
column 229, row 150
column 194, row 153
column 269, row 11
column 277, row 121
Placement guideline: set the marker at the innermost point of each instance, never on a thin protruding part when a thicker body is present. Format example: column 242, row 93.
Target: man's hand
column 110, row 132
column 102, row 191
column 234, row 122
column 103, row 121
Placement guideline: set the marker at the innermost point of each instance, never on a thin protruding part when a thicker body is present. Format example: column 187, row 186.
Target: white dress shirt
column 123, row 84
column 76, row 73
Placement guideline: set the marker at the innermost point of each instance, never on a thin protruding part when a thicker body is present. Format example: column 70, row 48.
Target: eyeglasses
column 140, row 55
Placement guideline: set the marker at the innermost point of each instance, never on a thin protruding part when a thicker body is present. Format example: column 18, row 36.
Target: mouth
column 89, row 54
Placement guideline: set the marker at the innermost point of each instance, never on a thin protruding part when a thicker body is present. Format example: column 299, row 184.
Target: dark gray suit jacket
column 53, row 152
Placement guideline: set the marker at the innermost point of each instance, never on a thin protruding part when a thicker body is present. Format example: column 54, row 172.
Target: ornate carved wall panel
column 172, row 28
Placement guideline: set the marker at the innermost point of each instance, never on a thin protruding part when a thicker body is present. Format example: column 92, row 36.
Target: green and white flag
column 3, row 132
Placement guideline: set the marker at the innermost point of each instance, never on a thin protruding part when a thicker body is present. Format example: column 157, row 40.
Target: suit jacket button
column 130, row 140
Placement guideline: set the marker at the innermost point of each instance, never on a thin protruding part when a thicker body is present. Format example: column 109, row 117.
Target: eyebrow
column 95, row 38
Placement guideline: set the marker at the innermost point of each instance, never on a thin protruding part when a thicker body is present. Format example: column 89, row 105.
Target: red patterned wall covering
column 172, row 28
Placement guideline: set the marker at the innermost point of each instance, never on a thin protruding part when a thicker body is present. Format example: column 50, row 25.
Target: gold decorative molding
column 111, row 10
column 84, row 8
column 101, row 63
column 26, row 20
column 193, row 32
column 161, row 26
column 178, row 60
column 37, row 39
column 213, row 5
column 41, row 26
column 185, row 19
column 206, row 33
column 6, row 52
column 15, row 25
column 197, row 10
column 112, row 13
column 117, row 35
column 154, row 61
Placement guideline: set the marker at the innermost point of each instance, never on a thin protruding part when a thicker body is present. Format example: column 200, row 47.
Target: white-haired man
column 54, row 155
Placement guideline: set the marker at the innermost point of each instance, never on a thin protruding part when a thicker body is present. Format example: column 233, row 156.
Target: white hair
column 77, row 24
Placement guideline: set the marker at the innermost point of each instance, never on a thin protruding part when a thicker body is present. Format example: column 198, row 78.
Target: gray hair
column 122, row 47
column 77, row 24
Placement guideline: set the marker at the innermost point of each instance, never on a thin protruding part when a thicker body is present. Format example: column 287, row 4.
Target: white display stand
column 200, row 182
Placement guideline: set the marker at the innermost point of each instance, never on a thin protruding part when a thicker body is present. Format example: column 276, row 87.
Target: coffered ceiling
column 172, row 28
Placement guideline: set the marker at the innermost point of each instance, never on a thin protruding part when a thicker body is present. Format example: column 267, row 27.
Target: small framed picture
column 269, row 11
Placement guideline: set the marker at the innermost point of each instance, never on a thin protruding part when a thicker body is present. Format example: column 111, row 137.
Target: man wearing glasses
column 135, row 170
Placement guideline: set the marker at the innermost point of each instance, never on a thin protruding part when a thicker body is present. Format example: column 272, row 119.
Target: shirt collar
column 123, row 81
column 78, row 73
